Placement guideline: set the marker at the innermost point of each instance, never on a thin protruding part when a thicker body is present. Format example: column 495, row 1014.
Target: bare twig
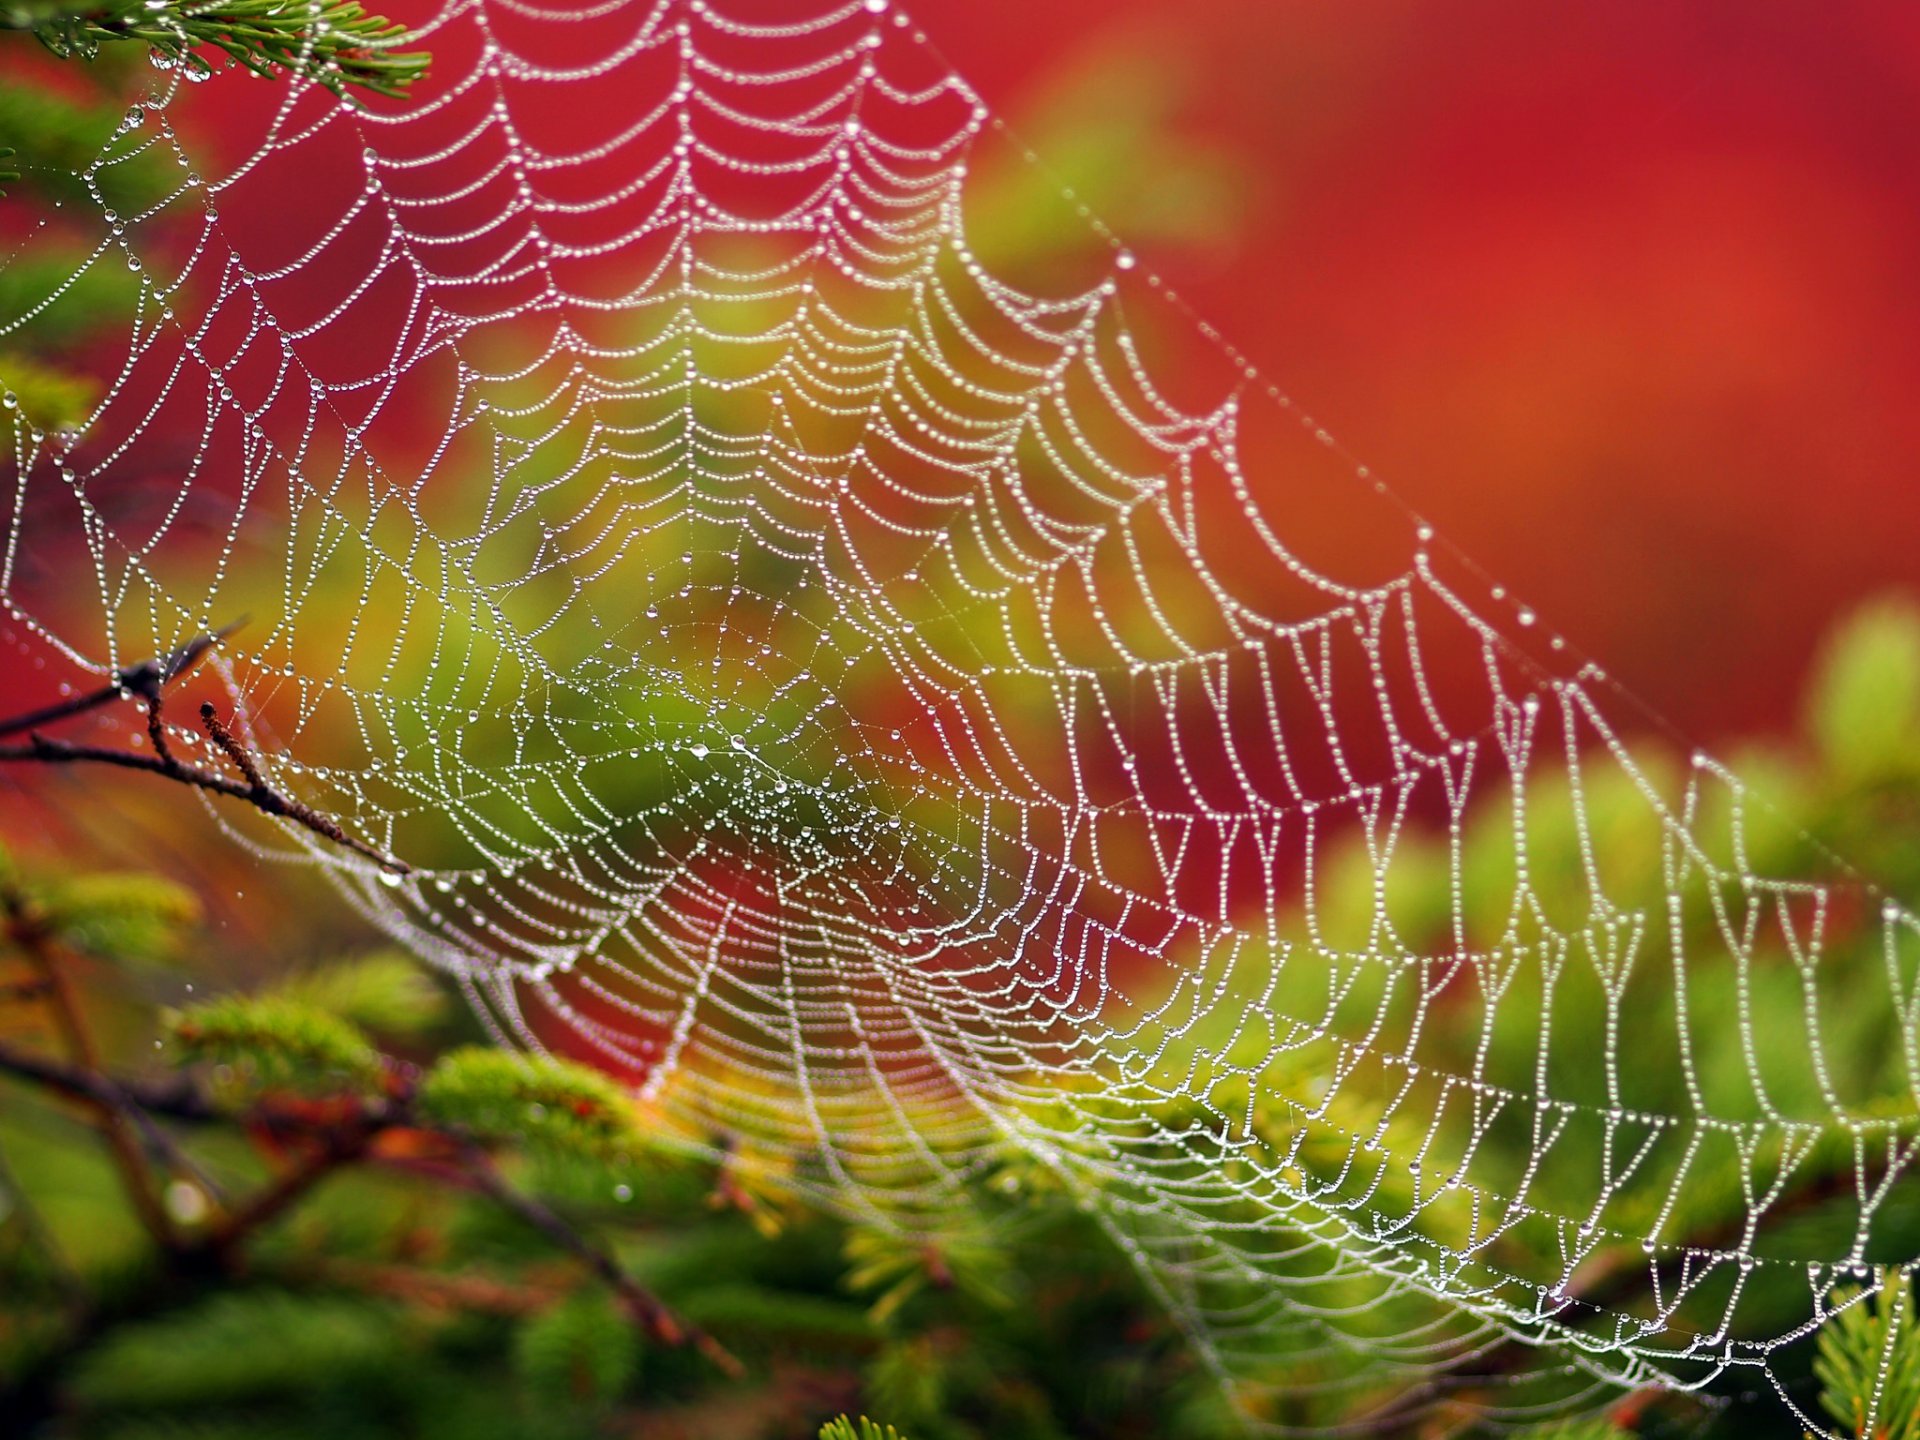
column 263, row 797
column 147, row 682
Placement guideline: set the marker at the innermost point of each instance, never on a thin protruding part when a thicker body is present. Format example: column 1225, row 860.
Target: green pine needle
column 272, row 1043
column 496, row 1096
column 385, row 993
column 581, row 1352
column 334, row 43
column 1869, row 1364
column 841, row 1428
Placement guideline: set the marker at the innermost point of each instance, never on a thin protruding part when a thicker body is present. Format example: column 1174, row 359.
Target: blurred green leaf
column 791, row 1320
column 236, row 1346
column 1865, row 703
column 57, row 139
column 1108, row 130
column 46, row 397
column 385, row 992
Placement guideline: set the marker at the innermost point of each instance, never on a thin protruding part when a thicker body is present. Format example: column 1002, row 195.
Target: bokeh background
column 1621, row 300
column 1621, row 296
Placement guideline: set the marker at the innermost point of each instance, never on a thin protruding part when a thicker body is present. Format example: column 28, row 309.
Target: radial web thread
column 852, row 697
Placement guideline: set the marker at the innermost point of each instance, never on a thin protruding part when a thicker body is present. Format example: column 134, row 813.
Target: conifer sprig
column 337, row 44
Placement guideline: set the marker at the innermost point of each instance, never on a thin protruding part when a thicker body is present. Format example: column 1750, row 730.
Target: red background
column 1622, row 296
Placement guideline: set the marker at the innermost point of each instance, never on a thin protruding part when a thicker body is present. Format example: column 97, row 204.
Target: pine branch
column 348, row 1135
column 661, row 1323
column 336, row 44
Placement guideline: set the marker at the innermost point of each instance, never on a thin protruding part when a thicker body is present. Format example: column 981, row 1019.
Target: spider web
column 862, row 702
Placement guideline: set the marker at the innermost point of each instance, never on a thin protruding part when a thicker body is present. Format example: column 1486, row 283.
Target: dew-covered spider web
column 915, row 719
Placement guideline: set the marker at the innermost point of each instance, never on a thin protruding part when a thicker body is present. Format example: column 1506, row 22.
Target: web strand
column 846, row 695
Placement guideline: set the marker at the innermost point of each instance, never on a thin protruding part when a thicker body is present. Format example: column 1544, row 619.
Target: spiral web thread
column 845, row 695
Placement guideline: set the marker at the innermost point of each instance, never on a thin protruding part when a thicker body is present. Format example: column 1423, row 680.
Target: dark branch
column 339, row 1146
column 661, row 1323
column 176, row 1100
column 263, row 797
column 147, row 682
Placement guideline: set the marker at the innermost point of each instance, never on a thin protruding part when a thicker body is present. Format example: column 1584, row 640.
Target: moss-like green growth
column 496, row 1096
column 270, row 1043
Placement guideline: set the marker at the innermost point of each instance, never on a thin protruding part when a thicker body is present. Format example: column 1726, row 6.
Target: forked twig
column 148, row 681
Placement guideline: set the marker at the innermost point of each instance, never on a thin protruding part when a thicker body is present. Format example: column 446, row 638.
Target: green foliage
column 1594, row 1427
column 390, row 1304
column 271, row 1043
column 782, row 1317
column 334, row 43
column 841, row 1428
column 496, row 1096
column 126, row 916
column 238, row 1346
column 910, row 1376
column 60, row 137
column 1869, row 1364
column 582, row 1352
column 384, row 993
column 45, row 397
column 901, row 1266
column 62, row 290
column 1865, row 707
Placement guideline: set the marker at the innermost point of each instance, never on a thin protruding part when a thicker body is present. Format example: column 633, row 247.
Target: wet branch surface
column 147, row 683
